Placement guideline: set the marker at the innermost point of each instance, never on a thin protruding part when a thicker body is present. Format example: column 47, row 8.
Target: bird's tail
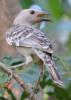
column 53, row 72
column 50, row 66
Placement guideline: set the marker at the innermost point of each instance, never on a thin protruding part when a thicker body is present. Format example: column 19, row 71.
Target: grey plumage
column 26, row 36
column 31, row 42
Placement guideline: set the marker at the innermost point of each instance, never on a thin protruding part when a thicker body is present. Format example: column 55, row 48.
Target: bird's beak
column 42, row 14
column 40, row 17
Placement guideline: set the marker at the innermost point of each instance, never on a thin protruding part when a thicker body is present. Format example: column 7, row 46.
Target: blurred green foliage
column 25, row 3
column 69, row 43
column 55, row 7
column 60, row 10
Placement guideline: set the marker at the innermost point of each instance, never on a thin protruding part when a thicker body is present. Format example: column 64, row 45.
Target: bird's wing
column 28, row 36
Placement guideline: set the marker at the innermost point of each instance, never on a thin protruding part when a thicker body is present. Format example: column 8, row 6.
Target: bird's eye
column 32, row 12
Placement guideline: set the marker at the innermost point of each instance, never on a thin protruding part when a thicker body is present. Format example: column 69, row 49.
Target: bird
column 33, row 43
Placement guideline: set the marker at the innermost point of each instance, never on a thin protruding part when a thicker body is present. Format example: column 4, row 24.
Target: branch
column 37, row 83
column 18, row 79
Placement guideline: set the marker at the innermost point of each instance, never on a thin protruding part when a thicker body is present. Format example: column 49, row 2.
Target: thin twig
column 18, row 79
column 37, row 84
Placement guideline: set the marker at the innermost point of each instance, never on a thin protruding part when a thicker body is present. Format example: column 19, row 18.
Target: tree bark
column 8, row 10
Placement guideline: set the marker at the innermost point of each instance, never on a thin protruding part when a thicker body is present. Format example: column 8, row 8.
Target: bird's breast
column 25, row 50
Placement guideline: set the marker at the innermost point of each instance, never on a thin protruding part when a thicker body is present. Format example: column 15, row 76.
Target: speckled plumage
column 31, row 42
column 27, row 36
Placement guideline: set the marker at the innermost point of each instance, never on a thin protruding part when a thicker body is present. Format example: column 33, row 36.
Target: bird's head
column 30, row 16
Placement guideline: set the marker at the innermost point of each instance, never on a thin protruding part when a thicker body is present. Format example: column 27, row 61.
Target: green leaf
column 9, row 60
column 55, row 7
column 4, row 77
column 50, row 89
column 24, row 95
column 62, row 94
column 2, row 98
column 30, row 74
column 1, row 92
column 26, row 3
column 69, row 44
column 45, row 80
column 66, row 7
